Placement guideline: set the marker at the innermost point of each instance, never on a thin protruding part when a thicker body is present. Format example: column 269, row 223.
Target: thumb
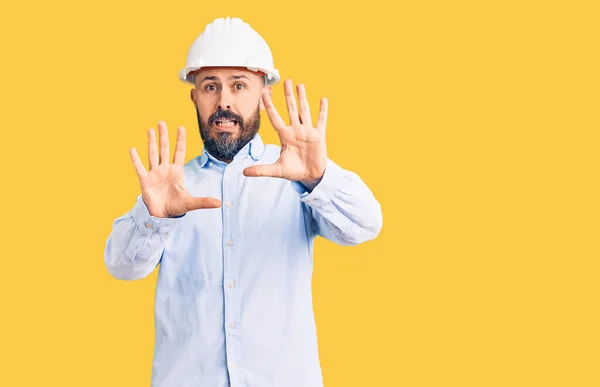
column 193, row 203
column 273, row 170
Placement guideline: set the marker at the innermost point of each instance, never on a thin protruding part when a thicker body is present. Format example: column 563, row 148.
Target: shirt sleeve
column 343, row 208
column 136, row 242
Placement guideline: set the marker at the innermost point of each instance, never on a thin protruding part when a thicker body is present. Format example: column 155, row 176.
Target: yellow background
column 476, row 124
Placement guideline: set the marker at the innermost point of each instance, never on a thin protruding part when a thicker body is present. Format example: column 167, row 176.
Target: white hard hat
column 230, row 42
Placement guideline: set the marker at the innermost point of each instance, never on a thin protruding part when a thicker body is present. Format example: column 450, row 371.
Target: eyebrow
column 213, row 78
column 208, row 78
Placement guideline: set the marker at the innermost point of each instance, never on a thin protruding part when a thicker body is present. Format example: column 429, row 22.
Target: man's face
column 228, row 104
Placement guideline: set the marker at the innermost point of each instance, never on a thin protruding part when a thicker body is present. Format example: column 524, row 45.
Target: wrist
column 310, row 184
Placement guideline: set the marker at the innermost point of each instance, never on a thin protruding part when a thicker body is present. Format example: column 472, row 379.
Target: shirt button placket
column 230, row 262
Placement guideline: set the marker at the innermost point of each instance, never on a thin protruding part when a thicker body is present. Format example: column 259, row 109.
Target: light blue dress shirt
column 233, row 304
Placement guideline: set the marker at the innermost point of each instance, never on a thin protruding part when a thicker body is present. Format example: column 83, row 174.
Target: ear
column 193, row 96
column 269, row 90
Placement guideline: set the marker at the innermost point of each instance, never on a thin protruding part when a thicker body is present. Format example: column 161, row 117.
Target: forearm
column 343, row 208
column 136, row 243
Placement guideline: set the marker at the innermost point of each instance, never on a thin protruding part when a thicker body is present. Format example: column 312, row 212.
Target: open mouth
column 226, row 124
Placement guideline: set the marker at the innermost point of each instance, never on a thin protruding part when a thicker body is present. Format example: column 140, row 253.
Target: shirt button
column 211, row 163
column 148, row 225
column 230, row 285
column 234, row 365
column 228, row 204
column 231, row 325
column 229, row 243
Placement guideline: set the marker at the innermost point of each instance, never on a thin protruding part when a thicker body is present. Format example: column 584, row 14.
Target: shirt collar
column 257, row 147
column 254, row 148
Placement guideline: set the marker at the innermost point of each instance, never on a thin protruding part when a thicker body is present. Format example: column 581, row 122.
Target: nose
column 224, row 101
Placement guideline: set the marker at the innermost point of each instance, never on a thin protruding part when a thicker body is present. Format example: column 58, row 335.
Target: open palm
column 163, row 189
column 303, row 150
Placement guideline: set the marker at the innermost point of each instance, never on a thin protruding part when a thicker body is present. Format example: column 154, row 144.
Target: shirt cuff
column 329, row 184
column 147, row 223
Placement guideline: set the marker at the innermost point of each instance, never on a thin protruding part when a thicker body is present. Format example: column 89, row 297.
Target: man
column 233, row 229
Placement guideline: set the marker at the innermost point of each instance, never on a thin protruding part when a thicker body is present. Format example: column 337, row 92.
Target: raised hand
column 162, row 187
column 303, row 151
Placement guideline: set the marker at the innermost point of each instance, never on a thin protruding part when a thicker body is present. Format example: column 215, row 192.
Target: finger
column 290, row 101
column 137, row 163
column 304, row 106
column 273, row 170
column 272, row 113
column 152, row 152
column 163, row 137
column 198, row 203
column 179, row 156
column 322, row 122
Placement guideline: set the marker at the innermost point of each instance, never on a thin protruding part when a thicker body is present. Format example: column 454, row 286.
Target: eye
column 210, row 88
column 239, row 86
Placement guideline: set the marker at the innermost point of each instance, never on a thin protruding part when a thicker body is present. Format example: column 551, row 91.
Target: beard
column 225, row 145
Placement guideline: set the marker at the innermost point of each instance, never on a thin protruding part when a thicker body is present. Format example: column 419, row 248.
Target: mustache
column 225, row 115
